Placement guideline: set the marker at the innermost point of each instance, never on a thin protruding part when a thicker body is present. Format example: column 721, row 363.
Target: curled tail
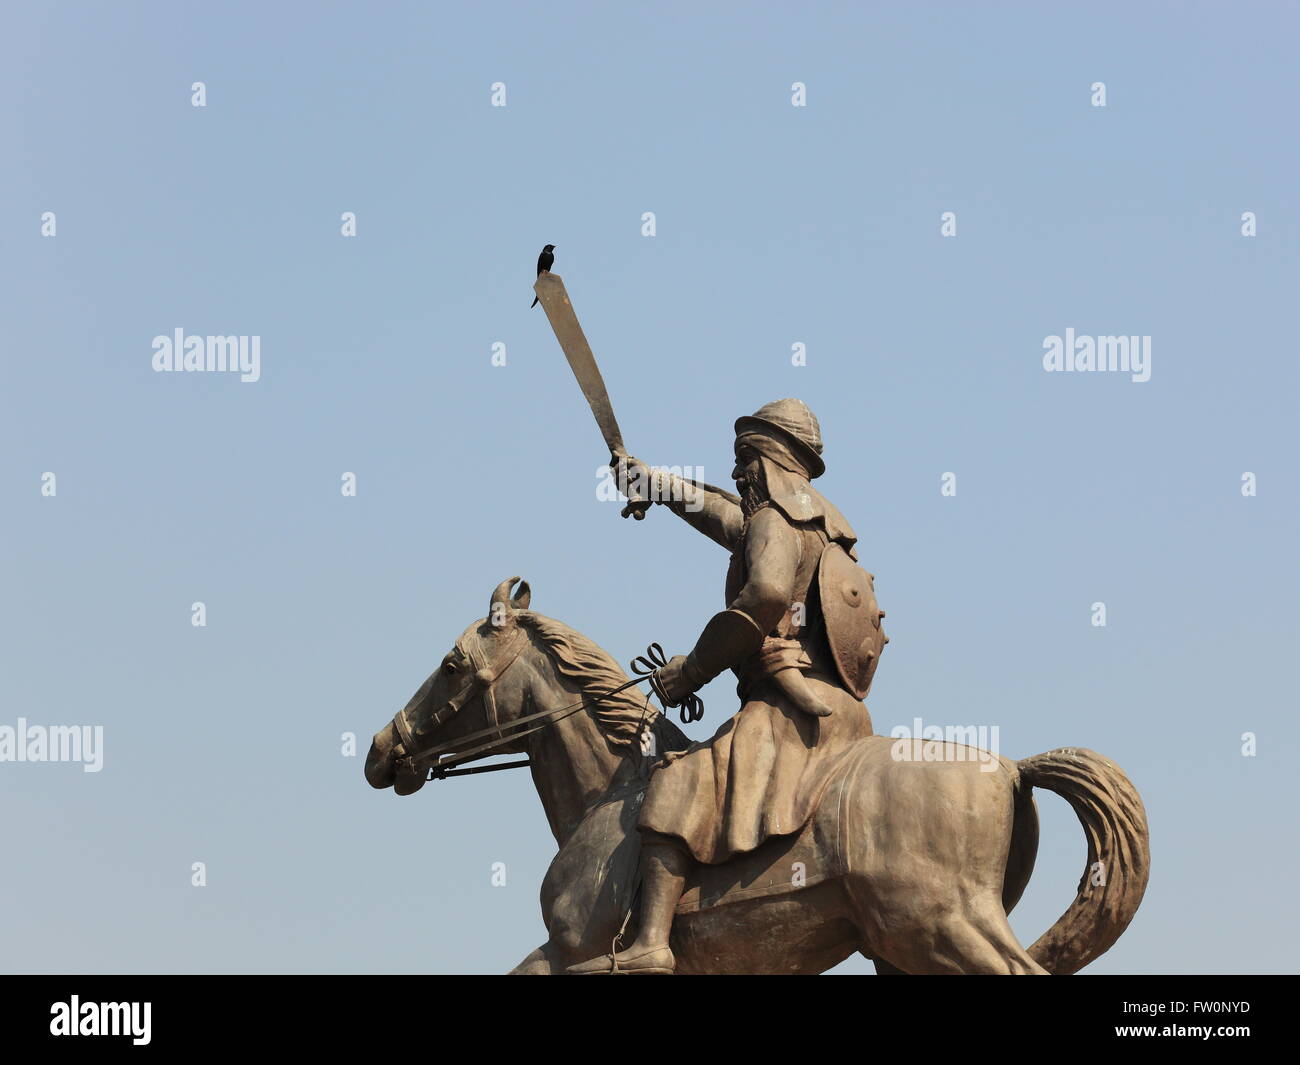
column 1119, row 855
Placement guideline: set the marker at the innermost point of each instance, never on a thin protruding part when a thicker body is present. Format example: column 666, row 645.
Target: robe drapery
column 763, row 772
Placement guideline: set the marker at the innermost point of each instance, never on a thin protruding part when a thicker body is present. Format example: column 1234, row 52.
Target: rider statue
column 801, row 632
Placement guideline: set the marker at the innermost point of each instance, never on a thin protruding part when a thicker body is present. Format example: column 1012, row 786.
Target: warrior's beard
column 753, row 494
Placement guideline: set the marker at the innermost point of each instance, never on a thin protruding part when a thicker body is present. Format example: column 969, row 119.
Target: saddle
column 780, row 865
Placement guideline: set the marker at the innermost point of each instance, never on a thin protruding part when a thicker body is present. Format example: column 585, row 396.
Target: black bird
column 544, row 262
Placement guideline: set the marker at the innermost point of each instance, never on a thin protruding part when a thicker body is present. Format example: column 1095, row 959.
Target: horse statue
column 915, row 855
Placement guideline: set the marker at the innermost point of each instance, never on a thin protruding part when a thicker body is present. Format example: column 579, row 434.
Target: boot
column 664, row 867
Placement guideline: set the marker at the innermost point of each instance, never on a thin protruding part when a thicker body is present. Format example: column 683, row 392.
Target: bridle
column 478, row 684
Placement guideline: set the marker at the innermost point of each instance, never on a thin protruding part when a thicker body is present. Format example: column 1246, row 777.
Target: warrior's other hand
column 677, row 679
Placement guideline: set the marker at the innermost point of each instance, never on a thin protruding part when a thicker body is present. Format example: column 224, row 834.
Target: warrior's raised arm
column 712, row 511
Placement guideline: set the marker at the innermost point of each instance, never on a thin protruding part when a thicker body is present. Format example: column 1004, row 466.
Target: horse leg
column 975, row 940
column 928, row 840
column 538, row 963
column 981, row 941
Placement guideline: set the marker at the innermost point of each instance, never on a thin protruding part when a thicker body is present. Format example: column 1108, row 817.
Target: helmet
column 796, row 424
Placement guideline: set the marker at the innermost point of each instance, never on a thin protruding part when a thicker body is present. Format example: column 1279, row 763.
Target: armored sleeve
column 773, row 550
column 772, row 554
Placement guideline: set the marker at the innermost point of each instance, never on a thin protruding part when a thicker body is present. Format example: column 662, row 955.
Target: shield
column 848, row 601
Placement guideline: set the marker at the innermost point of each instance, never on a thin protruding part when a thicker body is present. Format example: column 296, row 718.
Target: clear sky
column 775, row 225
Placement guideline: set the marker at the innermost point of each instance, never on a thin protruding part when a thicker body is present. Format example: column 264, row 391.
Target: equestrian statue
column 795, row 836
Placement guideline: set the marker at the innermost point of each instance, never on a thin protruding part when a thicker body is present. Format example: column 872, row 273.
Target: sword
column 573, row 342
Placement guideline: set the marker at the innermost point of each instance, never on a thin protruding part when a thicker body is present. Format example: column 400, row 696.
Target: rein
column 480, row 683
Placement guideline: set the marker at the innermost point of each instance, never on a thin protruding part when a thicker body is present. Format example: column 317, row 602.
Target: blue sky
column 775, row 225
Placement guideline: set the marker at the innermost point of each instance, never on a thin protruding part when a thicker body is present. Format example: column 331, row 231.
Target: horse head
column 520, row 682
column 472, row 691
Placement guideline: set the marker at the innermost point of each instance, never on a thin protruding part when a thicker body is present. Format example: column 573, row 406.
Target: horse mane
column 585, row 662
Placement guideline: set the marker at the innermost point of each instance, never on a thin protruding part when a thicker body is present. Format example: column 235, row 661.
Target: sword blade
column 573, row 342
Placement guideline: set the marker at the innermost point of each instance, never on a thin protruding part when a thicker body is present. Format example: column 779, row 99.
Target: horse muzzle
column 385, row 770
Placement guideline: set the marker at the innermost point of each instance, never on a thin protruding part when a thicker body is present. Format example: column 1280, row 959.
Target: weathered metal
column 573, row 342
column 848, row 603
column 913, row 855
column 911, row 851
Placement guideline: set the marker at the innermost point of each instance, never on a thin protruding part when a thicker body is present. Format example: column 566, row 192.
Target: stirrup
column 591, row 968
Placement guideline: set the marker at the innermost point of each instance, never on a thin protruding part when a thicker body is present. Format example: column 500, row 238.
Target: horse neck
column 574, row 765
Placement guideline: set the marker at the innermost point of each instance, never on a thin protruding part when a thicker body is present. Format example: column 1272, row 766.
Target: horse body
column 914, row 857
column 852, row 880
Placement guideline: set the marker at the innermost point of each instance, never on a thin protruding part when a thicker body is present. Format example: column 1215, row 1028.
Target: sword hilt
column 637, row 504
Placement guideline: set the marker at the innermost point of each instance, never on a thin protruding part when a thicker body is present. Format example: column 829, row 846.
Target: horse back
column 880, row 797
column 875, row 811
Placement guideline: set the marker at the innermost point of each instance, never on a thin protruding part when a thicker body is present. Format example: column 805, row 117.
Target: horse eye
column 449, row 667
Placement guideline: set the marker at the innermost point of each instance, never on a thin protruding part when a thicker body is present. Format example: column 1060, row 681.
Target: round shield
column 848, row 600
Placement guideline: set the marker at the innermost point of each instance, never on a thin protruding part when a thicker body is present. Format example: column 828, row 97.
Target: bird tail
column 534, row 303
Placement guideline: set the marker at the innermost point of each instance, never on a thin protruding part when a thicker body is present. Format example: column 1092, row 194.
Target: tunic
column 762, row 772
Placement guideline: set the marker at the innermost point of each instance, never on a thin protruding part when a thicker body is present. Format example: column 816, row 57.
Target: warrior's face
column 750, row 482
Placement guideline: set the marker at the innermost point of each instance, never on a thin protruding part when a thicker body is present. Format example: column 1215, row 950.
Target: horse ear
column 502, row 603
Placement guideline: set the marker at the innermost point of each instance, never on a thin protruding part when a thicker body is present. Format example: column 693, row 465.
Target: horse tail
column 1119, row 855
